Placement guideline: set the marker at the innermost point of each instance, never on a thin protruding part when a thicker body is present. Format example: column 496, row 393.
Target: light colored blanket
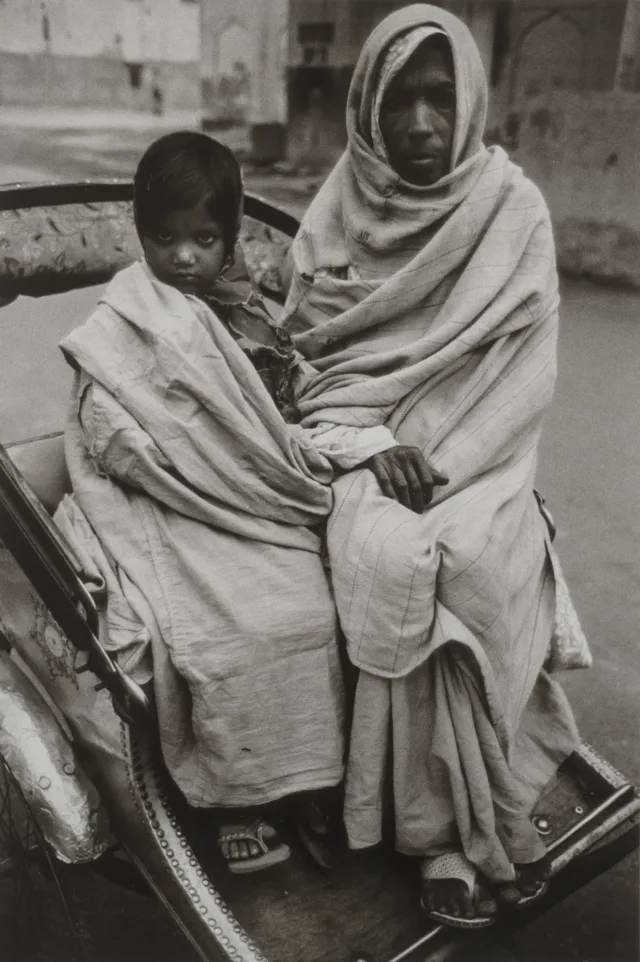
column 433, row 311
column 197, row 503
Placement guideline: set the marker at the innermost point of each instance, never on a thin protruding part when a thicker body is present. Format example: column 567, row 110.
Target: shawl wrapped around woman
column 432, row 311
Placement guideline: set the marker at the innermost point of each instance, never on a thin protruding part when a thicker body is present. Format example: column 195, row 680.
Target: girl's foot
column 452, row 893
column 319, row 823
column 248, row 843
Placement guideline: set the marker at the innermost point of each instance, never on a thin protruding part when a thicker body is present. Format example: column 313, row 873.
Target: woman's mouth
column 424, row 160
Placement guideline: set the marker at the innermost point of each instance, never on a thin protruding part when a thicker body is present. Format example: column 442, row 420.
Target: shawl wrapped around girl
column 199, row 506
column 432, row 312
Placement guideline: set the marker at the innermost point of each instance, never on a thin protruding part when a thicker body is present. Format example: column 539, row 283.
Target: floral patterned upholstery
column 47, row 249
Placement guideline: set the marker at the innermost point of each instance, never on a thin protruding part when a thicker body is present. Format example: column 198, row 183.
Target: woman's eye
column 447, row 99
column 395, row 102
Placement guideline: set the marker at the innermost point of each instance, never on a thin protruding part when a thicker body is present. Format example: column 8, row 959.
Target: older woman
column 424, row 294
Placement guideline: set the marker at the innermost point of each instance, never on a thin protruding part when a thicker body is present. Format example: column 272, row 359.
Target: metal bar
column 437, row 934
column 39, row 437
column 580, row 826
column 24, row 196
column 52, row 194
column 43, row 554
column 627, row 813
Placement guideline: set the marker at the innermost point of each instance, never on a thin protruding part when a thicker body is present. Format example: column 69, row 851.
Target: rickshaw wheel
column 36, row 920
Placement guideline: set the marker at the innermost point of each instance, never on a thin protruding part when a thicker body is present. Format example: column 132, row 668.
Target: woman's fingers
column 428, row 477
column 417, row 497
column 382, row 477
column 400, row 484
column 390, row 477
column 438, row 477
column 404, row 475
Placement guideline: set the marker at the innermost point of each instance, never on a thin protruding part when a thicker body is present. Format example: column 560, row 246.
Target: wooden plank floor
column 369, row 904
column 299, row 912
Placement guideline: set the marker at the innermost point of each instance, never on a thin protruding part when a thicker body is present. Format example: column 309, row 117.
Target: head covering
column 398, row 54
column 411, row 26
column 366, row 219
column 388, row 274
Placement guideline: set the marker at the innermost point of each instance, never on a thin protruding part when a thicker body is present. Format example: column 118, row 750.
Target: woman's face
column 417, row 116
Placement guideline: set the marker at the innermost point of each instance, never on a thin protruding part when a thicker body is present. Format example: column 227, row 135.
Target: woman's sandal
column 533, row 897
column 259, row 833
column 517, row 898
column 453, row 866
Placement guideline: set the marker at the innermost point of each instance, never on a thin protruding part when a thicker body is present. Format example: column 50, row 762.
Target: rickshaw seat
column 42, row 464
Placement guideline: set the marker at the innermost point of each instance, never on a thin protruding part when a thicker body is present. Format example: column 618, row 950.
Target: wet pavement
column 589, row 473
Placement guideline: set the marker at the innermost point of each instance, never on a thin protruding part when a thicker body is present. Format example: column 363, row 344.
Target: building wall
column 554, row 107
column 135, row 30
column 40, row 80
column 571, row 46
column 582, row 150
column 243, row 61
column 99, row 52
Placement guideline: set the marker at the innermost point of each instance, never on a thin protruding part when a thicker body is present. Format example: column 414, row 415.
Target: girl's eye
column 163, row 237
column 207, row 239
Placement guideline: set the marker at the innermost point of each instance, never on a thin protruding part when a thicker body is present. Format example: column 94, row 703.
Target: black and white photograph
column 319, row 481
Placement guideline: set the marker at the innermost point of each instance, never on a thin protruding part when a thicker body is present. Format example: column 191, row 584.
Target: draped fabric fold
column 199, row 507
column 433, row 311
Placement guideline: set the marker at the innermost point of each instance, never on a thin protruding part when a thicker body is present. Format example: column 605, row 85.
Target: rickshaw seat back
column 42, row 464
column 61, row 237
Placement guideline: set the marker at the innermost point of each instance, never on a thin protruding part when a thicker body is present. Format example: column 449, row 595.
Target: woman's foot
column 452, row 893
column 248, row 843
column 530, row 884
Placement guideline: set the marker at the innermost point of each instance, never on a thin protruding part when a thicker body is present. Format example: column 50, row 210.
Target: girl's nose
column 183, row 254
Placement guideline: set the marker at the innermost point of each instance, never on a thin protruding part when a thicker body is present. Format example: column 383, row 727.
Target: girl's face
column 187, row 249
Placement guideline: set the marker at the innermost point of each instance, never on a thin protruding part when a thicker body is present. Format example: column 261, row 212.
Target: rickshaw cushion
column 42, row 463
column 47, row 249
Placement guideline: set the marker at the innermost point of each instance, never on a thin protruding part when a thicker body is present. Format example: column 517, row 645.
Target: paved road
column 589, row 472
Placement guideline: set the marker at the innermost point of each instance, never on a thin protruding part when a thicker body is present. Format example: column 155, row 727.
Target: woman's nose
column 421, row 123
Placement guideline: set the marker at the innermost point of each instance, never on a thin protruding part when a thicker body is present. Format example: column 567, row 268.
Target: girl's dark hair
column 178, row 171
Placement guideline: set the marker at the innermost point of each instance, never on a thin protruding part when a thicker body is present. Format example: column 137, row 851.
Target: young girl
column 188, row 206
column 200, row 506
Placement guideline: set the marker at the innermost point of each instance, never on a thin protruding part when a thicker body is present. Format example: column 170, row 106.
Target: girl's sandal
column 259, row 833
column 453, row 866
column 320, row 830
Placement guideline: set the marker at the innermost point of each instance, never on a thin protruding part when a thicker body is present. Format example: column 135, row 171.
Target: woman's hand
column 404, row 475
